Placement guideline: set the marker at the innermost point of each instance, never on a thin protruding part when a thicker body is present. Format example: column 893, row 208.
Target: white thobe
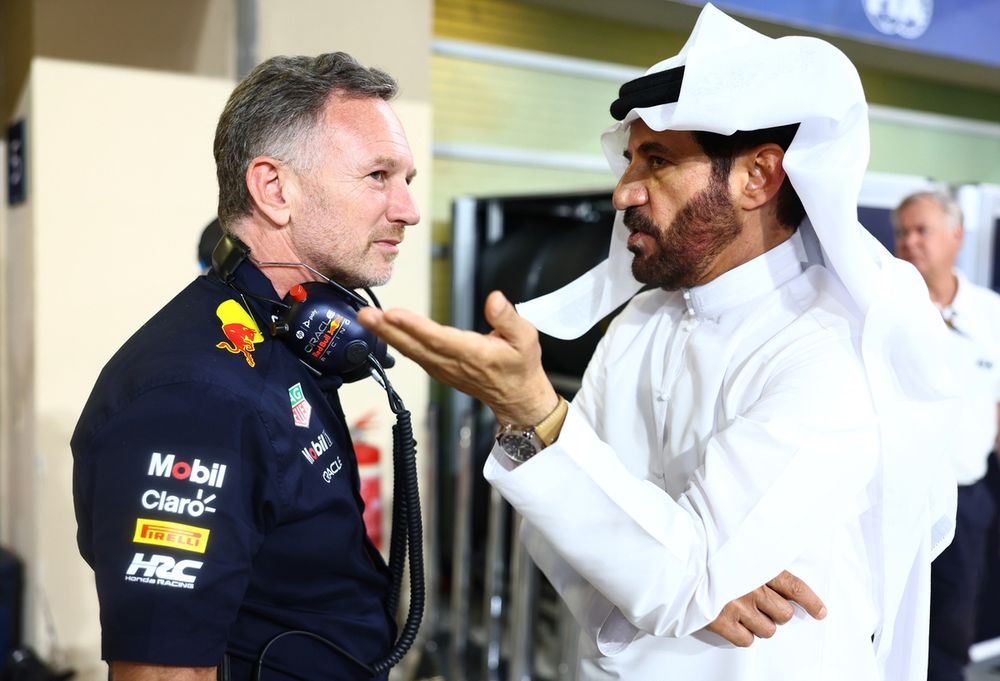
column 722, row 434
column 974, row 314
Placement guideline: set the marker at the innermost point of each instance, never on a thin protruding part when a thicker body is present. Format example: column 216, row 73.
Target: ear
column 268, row 181
column 959, row 232
column 761, row 175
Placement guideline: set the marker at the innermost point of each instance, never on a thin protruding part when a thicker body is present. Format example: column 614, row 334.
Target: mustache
column 394, row 234
column 637, row 222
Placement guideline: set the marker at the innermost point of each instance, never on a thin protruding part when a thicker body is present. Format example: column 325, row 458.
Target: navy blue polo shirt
column 217, row 497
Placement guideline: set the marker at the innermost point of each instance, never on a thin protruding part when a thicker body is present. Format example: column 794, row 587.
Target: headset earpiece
column 227, row 255
column 321, row 327
column 319, row 322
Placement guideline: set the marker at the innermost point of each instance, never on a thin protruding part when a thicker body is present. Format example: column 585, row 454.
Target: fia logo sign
column 905, row 18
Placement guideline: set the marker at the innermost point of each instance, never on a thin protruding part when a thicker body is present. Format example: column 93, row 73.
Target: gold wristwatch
column 520, row 443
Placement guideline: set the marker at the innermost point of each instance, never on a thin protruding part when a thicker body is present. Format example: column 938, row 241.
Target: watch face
column 518, row 446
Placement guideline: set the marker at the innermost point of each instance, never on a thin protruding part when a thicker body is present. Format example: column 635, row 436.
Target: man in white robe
column 770, row 405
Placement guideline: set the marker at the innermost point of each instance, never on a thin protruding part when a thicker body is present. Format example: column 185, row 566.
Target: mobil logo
column 169, row 466
column 316, row 448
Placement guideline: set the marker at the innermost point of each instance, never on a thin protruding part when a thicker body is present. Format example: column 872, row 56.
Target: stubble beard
column 686, row 250
column 350, row 269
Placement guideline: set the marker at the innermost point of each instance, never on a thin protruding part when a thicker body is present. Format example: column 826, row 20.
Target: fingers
column 791, row 588
column 774, row 606
column 728, row 626
column 422, row 340
column 410, row 332
column 760, row 612
column 756, row 621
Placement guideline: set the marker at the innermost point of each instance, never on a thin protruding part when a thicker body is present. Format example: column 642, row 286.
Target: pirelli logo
column 175, row 535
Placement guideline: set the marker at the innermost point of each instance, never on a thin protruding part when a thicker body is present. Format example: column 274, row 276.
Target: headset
column 318, row 321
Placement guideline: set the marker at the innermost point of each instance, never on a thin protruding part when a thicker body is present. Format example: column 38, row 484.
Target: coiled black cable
column 406, row 540
column 403, row 433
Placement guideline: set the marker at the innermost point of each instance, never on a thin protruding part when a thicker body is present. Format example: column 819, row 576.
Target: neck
column 755, row 239
column 273, row 245
column 942, row 288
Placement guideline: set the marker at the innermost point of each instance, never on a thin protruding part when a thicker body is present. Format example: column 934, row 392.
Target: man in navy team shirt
column 215, row 484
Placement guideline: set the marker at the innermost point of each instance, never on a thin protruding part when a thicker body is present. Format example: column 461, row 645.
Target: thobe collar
column 742, row 284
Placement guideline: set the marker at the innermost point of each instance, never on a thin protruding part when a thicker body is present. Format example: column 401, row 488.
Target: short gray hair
column 944, row 200
column 274, row 111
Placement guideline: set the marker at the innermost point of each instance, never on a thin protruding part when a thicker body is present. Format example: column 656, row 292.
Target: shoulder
column 810, row 337
column 202, row 345
column 983, row 298
column 823, row 310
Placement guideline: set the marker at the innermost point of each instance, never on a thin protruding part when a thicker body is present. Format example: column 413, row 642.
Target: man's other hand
column 502, row 369
column 761, row 611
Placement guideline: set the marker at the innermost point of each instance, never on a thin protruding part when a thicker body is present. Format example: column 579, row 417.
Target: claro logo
column 168, row 466
column 159, row 500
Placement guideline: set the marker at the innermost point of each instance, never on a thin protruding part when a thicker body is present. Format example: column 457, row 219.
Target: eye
column 658, row 162
column 378, row 175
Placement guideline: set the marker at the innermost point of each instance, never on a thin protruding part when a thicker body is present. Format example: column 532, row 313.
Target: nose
column 629, row 192
column 909, row 240
column 403, row 208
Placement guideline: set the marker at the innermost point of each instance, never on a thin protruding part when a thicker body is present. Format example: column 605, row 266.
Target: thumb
column 501, row 315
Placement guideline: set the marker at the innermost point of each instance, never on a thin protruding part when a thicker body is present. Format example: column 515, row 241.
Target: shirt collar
column 742, row 284
column 961, row 292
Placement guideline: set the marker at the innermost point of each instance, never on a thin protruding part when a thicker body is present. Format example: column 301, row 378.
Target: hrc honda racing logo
column 163, row 571
column 170, row 534
column 317, row 447
column 168, row 466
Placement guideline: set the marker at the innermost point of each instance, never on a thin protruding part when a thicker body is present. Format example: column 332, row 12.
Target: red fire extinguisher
column 369, row 470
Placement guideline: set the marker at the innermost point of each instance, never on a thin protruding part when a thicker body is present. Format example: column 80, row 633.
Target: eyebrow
column 392, row 164
column 649, row 148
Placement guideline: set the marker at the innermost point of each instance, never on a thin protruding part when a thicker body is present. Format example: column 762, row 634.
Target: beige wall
column 186, row 36
column 119, row 194
column 19, row 529
column 393, row 35
column 121, row 100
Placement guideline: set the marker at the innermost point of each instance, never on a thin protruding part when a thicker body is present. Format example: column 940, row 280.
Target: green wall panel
column 543, row 29
column 480, row 103
column 950, row 156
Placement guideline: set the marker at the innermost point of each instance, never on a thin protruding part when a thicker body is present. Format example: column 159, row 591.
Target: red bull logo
column 240, row 330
